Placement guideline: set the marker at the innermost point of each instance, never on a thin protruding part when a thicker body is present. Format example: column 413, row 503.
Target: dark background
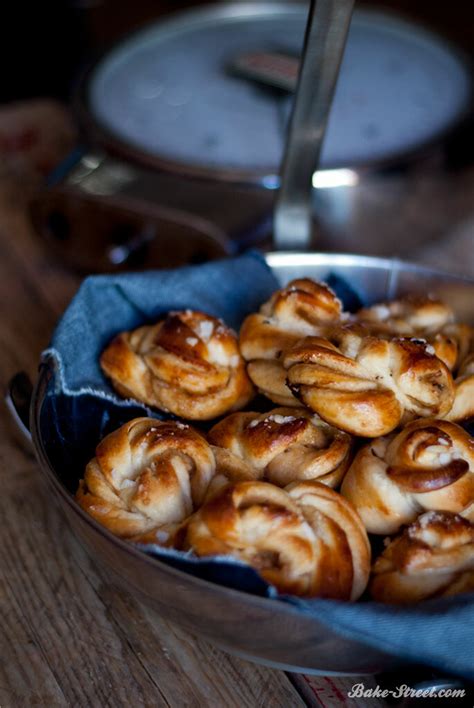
column 44, row 45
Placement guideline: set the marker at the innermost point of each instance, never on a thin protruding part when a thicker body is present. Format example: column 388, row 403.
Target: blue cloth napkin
column 106, row 305
column 439, row 633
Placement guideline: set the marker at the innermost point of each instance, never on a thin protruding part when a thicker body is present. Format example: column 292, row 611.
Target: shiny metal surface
column 18, row 400
column 376, row 279
column 325, row 40
column 256, row 628
column 221, row 15
column 397, row 98
column 92, row 225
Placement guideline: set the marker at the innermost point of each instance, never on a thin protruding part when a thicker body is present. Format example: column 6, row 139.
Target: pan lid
column 167, row 94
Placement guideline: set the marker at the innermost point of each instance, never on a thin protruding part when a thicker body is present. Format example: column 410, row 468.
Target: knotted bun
column 408, row 316
column 145, row 476
column 304, row 307
column 284, row 445
column 463, row 406
column 434, row 557
column 344, row 549
column 421, row 317
column 429, row 465
column 306, row 541
column 188, row 364
column 368, row 385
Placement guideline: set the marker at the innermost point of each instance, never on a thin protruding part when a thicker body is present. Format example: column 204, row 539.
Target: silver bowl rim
column 393, row 265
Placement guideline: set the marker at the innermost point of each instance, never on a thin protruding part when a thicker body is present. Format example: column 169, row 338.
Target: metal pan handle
column 18, row 399
column 325, row 40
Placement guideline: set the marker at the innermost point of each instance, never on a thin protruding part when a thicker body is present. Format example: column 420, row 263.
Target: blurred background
column 103, row 200
column 60, row 36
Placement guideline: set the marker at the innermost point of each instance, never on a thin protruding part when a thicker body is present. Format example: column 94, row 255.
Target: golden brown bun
column 450, row 341
column 463, row 406
column 304, row 307
column 421, row 317
column 146, row 475
column 434, row 557
column 305, row 541
column 429, row 465
column 189, row 364
column 452, row 344
column 368, row 385
column 408, row 316
column 338, row 529
column 284, row 445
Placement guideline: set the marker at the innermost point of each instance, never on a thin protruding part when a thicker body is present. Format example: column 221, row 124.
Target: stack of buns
column 366, row 442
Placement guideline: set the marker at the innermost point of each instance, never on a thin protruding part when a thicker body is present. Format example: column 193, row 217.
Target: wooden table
column 68, row 638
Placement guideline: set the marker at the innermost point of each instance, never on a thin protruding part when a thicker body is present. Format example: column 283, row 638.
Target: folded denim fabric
column 108, row 304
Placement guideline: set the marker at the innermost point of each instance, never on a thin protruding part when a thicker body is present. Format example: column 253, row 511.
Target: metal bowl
column 260, row 629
